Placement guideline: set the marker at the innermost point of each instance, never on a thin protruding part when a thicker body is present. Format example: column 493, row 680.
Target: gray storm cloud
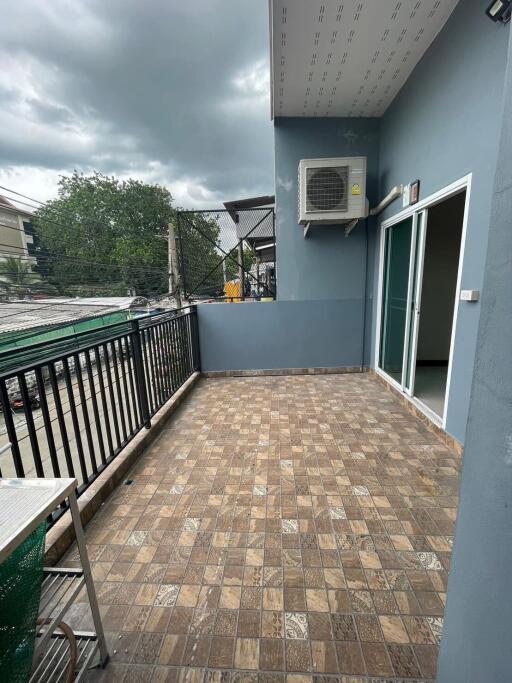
column 174, row 92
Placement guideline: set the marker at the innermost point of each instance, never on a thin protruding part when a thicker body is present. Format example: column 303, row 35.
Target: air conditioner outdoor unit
column 332, row 190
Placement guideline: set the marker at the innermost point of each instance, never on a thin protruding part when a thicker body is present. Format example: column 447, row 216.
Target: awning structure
column 259, row 236
column 347, row 57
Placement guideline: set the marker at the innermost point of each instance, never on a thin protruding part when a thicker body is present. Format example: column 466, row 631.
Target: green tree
column 104, row 236
column 16, row 275
column 233, row 260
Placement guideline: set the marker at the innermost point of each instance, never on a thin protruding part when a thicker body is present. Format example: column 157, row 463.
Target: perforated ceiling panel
column 348, row 58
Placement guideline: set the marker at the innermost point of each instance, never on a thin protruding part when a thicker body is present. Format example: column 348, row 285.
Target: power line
column 58, row 257
column 86, row 218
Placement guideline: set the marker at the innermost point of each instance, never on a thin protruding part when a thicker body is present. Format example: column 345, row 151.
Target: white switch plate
column 469, row 295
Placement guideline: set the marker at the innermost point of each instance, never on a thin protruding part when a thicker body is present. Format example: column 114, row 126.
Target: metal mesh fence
column 227, row 254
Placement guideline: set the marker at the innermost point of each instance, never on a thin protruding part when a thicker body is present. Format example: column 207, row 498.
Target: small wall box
column 414, row 192
column 469, row 295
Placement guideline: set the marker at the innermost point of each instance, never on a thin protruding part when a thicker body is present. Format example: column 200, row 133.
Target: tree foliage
column 104, row 236
column 16, row 276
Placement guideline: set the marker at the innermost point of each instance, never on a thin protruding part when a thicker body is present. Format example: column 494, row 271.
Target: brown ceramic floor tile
column 298, row 655
column 272, row 624
column 221, row 653
column 350, row 658
column 249, row 623
column 247, row 653
column 377, row 659
column 271, row 655
column 279, row 530
column 323, row 656
column 172, row 650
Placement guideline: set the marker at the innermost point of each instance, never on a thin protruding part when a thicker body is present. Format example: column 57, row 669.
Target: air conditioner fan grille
column 327, row 189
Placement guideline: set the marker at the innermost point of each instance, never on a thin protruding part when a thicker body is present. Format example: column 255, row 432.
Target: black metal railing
column 85, row 398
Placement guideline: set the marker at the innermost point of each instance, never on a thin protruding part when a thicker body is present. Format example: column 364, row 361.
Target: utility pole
column 174, row 277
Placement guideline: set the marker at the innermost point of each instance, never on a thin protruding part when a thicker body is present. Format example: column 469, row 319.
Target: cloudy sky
column 168, row 91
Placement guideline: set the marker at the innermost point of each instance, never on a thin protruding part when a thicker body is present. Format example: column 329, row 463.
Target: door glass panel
column 397, row 256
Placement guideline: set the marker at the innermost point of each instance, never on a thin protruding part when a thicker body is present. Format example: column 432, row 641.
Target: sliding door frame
column 454, row 188
column 414, row 301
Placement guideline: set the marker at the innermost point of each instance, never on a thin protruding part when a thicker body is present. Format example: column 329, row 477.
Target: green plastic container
column 21, row 577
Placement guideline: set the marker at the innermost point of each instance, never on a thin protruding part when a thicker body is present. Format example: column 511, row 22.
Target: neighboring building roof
column 25, row 315
column 118, row 302
column 6, row 204
column 245, row 229
column 251, row 203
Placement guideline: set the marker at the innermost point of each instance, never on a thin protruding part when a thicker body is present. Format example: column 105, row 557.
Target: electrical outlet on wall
column 469, row 295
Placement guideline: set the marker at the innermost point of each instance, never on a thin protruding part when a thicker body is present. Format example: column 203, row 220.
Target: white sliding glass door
column 403, row 251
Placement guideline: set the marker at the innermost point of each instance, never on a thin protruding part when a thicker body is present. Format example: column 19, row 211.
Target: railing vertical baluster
column 137, row 410
column 60, row 419
column 140, row 379
column 186, row 347
column 95, row 411
column 85, row 412
column 106, row 417
column 197, row 341
column 125, row 384
column 118, row 391
column 190, row 345
column 74, row 419
column 162, row 372
column 176, row 365
column 178, row 351
column 153, row 369
column 182, row 351
column 173, row 355
column 164, row 359
column 159, row 329
column 11, row 430
column 168, row 355
column 31, row 428
column 150, row 386
column 47, row 422
column 157, row 366
column 110, row 387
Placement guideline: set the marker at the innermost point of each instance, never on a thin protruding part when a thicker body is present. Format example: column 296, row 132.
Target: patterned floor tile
column 296, row 625
column 279, row 530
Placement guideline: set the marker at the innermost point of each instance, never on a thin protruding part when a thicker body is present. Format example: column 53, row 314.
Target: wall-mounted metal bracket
column 350, row 226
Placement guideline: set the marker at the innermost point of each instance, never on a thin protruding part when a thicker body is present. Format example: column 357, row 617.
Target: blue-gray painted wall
column 476, row 644
column 443, row 125
column 326, row 265
column 318, row 318
column 279, row 334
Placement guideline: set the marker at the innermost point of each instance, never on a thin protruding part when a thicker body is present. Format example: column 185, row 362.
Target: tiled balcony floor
column 282, row 528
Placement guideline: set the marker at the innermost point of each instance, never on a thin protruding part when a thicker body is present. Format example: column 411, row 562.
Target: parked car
column 17, row 402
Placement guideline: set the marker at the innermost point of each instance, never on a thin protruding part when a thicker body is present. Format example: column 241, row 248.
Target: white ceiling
column 347, row 57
